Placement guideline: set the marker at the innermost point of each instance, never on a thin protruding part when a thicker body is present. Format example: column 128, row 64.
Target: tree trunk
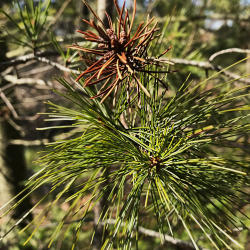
column 102, row 6
column 83, row 13
column 100, row 235
column 12, row 167
column 12, row 162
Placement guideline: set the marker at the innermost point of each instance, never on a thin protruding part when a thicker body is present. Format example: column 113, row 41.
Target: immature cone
column 120, row 54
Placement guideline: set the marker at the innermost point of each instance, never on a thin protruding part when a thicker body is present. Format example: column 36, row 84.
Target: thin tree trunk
column 12, row 167
column 83, row 12
column 13, row 170
column 100, row 234
column 105, row 6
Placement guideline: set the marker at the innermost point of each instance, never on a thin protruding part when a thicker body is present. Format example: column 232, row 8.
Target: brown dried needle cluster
column 120, row 54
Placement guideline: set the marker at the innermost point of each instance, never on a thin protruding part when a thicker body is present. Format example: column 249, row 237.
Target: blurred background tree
column 33, row 56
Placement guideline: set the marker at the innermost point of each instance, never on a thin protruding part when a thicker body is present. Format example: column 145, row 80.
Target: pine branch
column 226, row 51
column 55, row 64
column 180, row 244
column 30, row 142
column 207, row 65
column 8, row 104
column 41, row 57
column 28, row 81
column 25, row 58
